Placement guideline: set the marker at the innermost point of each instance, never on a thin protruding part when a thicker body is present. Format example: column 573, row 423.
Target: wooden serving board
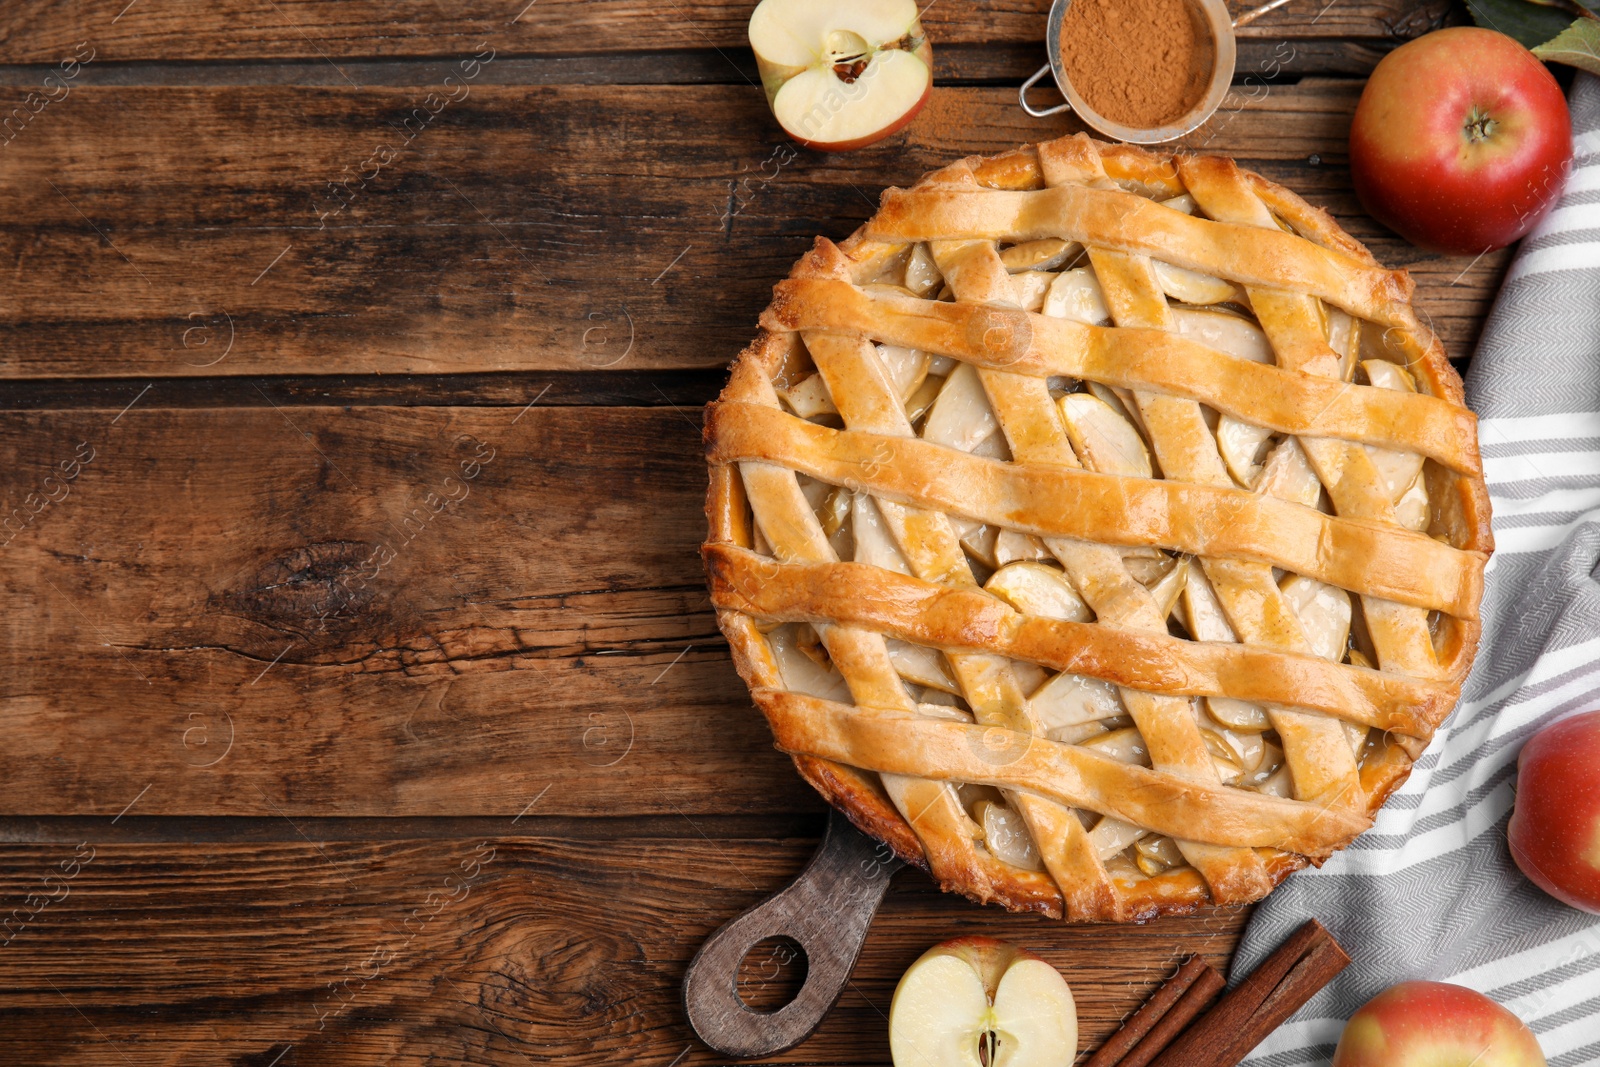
column 361, row 699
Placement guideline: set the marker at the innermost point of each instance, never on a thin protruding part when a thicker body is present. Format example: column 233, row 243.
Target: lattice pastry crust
column 1099, row 529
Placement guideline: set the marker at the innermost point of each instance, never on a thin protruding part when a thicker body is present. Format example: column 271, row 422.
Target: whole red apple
column 1555, row 825
column 1434, row 1024
column 1461, row 141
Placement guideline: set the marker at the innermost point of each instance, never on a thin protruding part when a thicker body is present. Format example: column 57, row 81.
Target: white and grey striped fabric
column 1430, row 891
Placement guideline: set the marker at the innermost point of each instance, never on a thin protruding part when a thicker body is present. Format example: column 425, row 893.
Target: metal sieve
column 1212, row 15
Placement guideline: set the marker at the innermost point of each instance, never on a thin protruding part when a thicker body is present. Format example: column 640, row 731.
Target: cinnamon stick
column 1170, row 1008
column 1191, row 1004
column 1261, row 1003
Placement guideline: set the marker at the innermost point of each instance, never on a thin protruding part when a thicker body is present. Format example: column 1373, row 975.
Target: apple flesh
column 978, row 1002
column 1434, row 1024
column 841, row 74
column 1555, row 824
column 1461, row 141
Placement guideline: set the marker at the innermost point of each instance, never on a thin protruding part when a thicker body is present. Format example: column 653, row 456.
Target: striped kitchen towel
column 1430, row 891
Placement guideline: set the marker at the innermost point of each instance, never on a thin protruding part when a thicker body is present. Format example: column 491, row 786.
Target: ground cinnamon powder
column 1139, row 63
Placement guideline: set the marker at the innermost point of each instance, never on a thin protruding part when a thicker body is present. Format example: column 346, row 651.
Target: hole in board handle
column 771, row 974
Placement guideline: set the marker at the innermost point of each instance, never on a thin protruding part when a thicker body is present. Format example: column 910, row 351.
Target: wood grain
column 166, row 232
column 280, row 578
column 43, row 30
column 478, row 950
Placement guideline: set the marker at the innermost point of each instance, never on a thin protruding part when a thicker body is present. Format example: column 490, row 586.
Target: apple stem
column 1479, row 126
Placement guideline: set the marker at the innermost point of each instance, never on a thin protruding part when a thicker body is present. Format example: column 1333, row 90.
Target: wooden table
column 362, row 702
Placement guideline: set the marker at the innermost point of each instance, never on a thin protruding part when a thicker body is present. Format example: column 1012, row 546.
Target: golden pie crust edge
column 1460, row 501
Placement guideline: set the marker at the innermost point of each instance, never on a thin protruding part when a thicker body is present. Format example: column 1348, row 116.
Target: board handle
column 827, row 911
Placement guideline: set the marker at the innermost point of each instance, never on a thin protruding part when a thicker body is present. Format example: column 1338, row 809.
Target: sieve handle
column 1022, row 96
column 1256, row 12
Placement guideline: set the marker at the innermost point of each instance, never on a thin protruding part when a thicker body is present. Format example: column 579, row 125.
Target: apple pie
column 1099, row 529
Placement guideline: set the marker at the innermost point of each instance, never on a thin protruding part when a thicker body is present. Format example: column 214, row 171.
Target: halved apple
column 978, row 1002
column 841, row 74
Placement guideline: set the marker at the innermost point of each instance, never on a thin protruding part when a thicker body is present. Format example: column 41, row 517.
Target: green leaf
column 1577, row 46
column 1531, row 24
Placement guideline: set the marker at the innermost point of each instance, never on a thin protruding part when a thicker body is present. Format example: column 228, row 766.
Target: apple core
column 848, row 53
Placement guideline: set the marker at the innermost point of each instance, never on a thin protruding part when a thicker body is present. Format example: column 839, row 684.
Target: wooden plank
column 165, row 232
column 476, row 950
column 318, row 611
column 954, row 64
column 686, row 389
column 44, row 31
